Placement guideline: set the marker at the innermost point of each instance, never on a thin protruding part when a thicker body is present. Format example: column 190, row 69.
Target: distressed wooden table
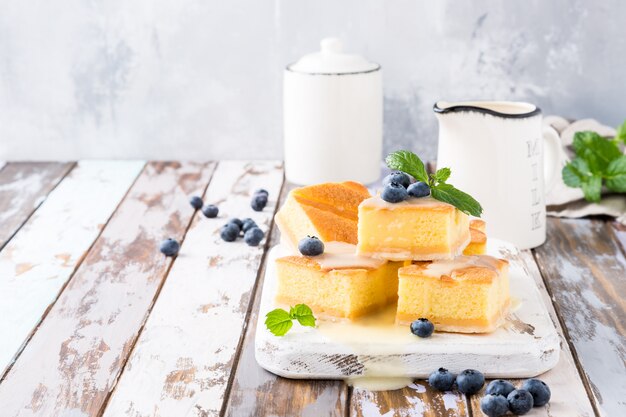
column 94, row 321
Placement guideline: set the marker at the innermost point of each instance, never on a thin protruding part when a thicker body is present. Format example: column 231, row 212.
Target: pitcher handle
column 551, row 158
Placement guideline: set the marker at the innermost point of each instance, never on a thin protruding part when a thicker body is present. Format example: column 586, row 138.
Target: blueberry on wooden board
column 210, row 211
column 230, row 232
column 196, row 202
column 470, row 381
column 441, row 379
column 169, row 247
column 539, row 390
column 520, row 401
column 253, row 236
column 422, row 327
column 494, row 405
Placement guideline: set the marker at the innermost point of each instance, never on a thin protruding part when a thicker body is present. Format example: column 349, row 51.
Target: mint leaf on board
column 574, row 173
column 592, row 188
column 616, row 175
column 278, row 322
column 303, row 314
column 442, row 175
column 597, row 151
column 463, row 201
column 408, row 162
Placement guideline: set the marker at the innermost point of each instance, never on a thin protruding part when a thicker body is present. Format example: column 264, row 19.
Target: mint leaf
column 592, row 188
column 621, row 133
column 464, row 202
column 278, row 322
column 597, row 151
column 576, row 172
column 303, row 314
column 442, row 175
column 616, row 174
column 407, row 161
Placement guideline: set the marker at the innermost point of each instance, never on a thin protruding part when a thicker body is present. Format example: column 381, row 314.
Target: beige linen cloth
column 563, row 201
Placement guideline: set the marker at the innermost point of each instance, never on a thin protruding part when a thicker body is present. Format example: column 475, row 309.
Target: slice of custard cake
column 478, row 238
column 415, row 229
column 337, row 283
column 469, row 294
column 328, row 211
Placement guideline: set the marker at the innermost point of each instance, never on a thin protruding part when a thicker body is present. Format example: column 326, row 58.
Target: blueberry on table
column 169, row 247
column 470, row 381
column 210, row 211
column 494, row 405
column 418, row 189
column 539, row 390
column 230, row 232
column 520, row 401
column 253, row 236
column 259, row 201
column 196, row 202
column 441, row 379
column 422, row 327
column 247, row 224
column 499, row 387
column 394, row 193
column 311, row 246
column 397, row 177
column 236, row 222
column 262, row 191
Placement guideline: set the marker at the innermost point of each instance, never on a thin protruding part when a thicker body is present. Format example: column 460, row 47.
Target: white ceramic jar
column 333, row 117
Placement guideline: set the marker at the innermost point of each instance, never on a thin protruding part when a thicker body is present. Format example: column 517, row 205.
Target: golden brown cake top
column 474, row 269
column 337, row 255
column 477, row 236
column 426, row 203
column 478, row 224
column 342, row 198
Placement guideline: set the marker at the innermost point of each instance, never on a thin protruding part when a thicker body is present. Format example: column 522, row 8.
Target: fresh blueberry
column 247, row 224
column 230, row 232
column 397, row 177
column 262, row 191
column 422, row 327
column 236, row 222
column 539, row 390
column 499, row 387
column 259, row 201
column 441, row 379
column 196, row 202
column 253, row 236
column 210, row 211
column 394, row 193
column 169, row 247
column 311, row 246
column 494, row 405
column 470, row 381
column 418, row 189
column 520, row 401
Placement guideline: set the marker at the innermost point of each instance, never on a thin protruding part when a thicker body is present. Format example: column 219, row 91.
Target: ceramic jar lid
column 331, row 60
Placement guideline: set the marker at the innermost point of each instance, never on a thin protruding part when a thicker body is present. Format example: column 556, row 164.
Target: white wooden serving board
column 525, row 346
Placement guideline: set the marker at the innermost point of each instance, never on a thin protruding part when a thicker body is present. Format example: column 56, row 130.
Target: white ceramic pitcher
column 501, row 154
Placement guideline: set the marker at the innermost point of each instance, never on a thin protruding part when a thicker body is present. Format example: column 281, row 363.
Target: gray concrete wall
column 196, row 79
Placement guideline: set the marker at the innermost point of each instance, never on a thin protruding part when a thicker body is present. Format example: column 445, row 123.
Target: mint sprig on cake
column 411, row 164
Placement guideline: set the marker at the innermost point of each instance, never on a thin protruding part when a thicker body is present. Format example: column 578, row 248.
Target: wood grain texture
column 584, row 270
column 257, row 392
column 181, row 363
column 38, row 261
column 74, row 358
column 569, row 396
column 418, row 399
column 23, row 187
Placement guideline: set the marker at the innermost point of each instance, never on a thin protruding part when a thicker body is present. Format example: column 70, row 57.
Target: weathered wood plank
column 620, row 234
column 584, row 269
column 416, row 400
column 183, row 359
column 38, row 261
column 23, row 187
column 75, row 357
column 257, row 392
column 569, row 396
